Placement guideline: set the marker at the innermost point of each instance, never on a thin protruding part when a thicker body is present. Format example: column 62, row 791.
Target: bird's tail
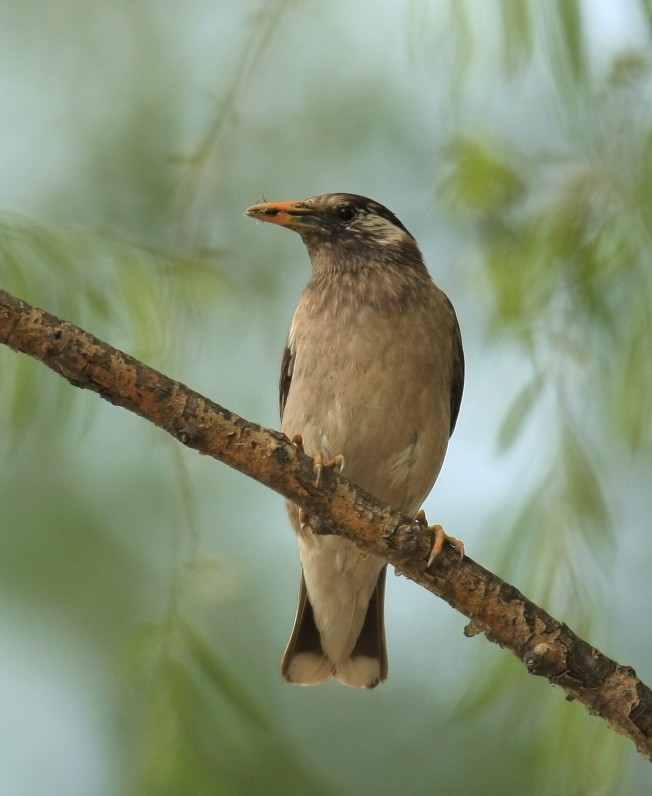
column 306, row 663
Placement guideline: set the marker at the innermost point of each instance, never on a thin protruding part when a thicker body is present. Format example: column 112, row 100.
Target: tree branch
column 546, row 646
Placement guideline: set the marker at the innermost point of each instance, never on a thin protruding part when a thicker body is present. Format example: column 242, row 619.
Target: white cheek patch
column 382, row 230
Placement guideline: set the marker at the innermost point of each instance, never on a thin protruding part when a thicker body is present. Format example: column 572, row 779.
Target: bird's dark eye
column 345, row 212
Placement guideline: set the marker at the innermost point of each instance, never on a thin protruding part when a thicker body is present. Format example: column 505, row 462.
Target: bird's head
column 342, row 223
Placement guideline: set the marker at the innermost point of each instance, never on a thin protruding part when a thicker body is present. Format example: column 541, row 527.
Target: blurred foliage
column 199, row 180
column 544, row 164
column 202, row 730
column 119, row 286
column 566, row 244
column 563, row 232
column 118, row 290
column 566, row 239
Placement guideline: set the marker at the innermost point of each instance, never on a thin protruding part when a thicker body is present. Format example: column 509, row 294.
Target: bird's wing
column 457, row 369
column 287, row 365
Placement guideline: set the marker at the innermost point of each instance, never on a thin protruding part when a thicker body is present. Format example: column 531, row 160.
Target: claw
column 335, row 464
column 441, row 537
column 319, row 466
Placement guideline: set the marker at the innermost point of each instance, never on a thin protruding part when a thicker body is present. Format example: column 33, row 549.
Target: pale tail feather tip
column 307, row 668
column 359, row 671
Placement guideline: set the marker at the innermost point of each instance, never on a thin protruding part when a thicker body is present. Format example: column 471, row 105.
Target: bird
column 371, row 382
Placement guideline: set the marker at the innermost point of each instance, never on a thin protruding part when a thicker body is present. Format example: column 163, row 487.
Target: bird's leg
column 304, row 516
column 441, row 537
column 337, row 463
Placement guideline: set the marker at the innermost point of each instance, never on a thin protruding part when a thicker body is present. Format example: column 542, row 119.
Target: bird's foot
column 441, row 537
column 304, row 519
column 336, row 463
column 304, row 516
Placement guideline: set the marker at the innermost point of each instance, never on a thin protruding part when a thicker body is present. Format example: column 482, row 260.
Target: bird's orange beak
column 294, row 215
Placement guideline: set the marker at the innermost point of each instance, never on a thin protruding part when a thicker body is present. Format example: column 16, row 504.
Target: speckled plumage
column 373, row 370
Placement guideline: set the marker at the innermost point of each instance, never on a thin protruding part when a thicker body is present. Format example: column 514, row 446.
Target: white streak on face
column 380, row 229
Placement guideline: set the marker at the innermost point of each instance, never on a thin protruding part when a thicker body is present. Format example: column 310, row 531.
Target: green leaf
column 481, row 179
column 222, row 678
column 144, row 646
column 517, row 33
column 518, row 413
column 569, row 16
column 585, row 493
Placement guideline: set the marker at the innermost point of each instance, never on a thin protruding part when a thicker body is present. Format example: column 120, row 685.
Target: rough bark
column 546, row 646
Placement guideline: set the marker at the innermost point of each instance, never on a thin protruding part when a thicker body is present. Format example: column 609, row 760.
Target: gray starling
column 372, row 379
